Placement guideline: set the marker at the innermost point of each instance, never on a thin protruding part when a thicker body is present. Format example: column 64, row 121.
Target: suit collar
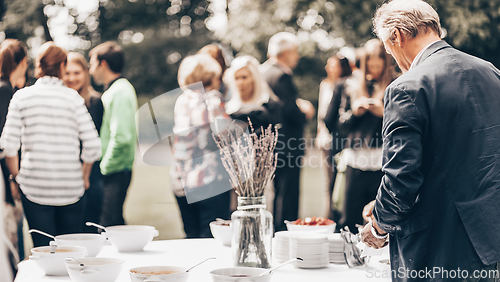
column 276, row 63
column 433, row 48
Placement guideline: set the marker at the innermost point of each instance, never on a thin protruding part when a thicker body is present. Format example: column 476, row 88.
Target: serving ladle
column 278, row 266
column 96, row 225
column 198, row 264
column 41, row 232
column 82, row 265
column 53, row 244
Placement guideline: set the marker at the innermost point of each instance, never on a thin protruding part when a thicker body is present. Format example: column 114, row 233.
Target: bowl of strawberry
column 319, row 224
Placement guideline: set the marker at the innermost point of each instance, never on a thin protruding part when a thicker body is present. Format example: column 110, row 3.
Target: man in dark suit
column 439, row 198
column 277, row 71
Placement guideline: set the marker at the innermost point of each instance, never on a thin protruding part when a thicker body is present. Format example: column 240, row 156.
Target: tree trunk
column 42, row 19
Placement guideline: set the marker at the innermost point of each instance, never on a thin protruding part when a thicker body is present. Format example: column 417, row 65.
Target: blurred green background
column 158, row 34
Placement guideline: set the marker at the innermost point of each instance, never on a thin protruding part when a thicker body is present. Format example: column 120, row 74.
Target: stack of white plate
column 312, row 247
column 336, row 250
column 281, row 246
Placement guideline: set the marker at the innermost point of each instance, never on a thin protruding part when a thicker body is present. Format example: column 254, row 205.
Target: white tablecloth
column 186, row 253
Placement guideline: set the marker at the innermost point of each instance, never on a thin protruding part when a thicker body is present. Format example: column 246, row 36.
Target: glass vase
column 252, row 233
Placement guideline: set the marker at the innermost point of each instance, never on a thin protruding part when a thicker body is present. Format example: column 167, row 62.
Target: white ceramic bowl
column 130, row 238
column 317, row 228
column 55, row 264
column 93, row 242
column 221, row 233
column 234, row 274
column 95, row 269
column 159, row 273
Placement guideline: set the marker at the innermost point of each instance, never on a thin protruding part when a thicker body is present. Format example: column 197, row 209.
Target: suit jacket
column 439, row 198
column 292, row 119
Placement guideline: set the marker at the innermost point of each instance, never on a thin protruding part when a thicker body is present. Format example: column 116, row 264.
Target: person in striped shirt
column 50, row 120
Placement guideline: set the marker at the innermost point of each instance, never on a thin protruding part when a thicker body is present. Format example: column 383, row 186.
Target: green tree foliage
column 21, row 18
column 472, row 26
column 156, row 35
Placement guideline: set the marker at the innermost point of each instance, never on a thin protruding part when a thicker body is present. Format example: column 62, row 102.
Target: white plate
column 308, row 253
column 309, row 237
column 282, row 235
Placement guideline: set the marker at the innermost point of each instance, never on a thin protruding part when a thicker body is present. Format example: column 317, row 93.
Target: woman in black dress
column 363, row 149
column 77, row 77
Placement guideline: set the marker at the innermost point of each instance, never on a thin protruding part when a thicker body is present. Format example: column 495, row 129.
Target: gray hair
column 281, row 42
column 196, row 68
column 411, row 17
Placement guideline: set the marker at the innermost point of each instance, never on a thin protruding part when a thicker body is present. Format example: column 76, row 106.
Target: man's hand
column 368, row 211
column 370, row 240
column 306, row 107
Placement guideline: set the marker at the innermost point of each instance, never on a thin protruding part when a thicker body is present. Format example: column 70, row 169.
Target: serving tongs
column 352, row 253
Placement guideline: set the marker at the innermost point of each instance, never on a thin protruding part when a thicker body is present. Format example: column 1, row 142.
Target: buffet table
column 187, row 253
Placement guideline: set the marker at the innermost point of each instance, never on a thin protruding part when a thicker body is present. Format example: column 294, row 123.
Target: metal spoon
column 198, row 264
column 276, row 267
column 96, row 225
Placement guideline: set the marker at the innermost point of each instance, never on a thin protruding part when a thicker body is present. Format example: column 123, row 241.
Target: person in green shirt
column 118, row 133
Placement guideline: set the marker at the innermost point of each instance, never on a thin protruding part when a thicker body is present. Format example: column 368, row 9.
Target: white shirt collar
column 417, row 58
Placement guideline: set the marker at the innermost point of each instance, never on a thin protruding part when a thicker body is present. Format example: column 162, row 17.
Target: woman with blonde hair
column 252, row 98
column 363, row 153
column 56, row 132
column 77, row 77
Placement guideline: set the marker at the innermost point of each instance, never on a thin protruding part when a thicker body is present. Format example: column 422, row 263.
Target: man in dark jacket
column 277, row 71
column 439, row 198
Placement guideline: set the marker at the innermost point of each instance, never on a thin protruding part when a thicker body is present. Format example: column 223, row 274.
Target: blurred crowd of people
column 67, row 151
column 349, row 135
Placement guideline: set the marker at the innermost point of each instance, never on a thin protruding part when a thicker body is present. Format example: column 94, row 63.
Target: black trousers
column 286, row 193
column 55, row 220
column 6, row 174
column 361, row 188
column 329, row 177
column 197, row 216
column 114, row 194
column 94, row 195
